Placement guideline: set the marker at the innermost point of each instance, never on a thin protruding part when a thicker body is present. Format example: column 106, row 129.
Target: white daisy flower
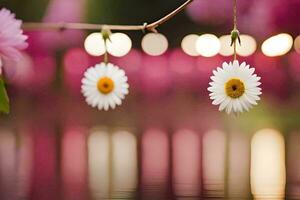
column 104, row 86
column 235, row 87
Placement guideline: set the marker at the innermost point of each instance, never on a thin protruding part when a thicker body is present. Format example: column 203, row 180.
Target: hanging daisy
column 104, row 86
column 12, row 41
column 235, row 88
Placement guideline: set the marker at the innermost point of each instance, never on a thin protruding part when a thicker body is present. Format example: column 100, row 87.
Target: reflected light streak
column 44, row 181
column 98, row 153
column 124, row 175
column 213, row 163
column 186, row 163
column 297, row 44
column 293, row 165
column 238, row 169
column 268, row 165
column 25, row 164
column 155, row 164
column 7, row 165
column 74, row 164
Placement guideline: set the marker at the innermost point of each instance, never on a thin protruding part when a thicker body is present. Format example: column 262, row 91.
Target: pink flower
column 12, row 39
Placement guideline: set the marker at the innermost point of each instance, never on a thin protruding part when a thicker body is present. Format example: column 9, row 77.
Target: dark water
column 79, row 163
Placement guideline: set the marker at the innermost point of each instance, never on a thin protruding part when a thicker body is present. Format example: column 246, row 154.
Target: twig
column 152, row 27
column 36, row 26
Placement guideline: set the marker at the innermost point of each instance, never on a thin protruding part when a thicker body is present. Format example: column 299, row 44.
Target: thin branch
column 35, row 26
column 152, row 26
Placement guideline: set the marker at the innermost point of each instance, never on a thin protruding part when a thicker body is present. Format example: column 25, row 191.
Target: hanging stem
column 234, row 50
column 234, row 15
column 105, row 59
column 106, row 36
column 234, row 28
column 235, row 35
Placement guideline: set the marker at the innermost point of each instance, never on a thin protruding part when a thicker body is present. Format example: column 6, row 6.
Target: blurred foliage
column 4, row 101
column 284, row 118
column 27, row 10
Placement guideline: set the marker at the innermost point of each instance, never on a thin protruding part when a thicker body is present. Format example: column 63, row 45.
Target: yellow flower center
column 105, row 85
column 234, row 88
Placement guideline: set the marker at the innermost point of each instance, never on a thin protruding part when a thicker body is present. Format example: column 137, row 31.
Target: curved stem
column 36, row 26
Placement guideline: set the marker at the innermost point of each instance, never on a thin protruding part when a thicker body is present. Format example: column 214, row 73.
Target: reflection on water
column 238, row 182
column 213, row 162
column 112, row 164
column 45, row 182
column 82, row 164
column 24, row 163
column 293, row 165
column 74, row 162
column 98, row 160
column 186, row 164
column 124, row 161
column 268, row 165
column 8, row 164
column 155, row 164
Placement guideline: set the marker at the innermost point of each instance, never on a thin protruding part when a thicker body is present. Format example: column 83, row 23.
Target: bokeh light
column 208, row 45
column 225, row 49
column 94, row 44
column 119, row 44
column 297, row 44
column 188, row 44
column 277, row 45
column 154, row 44
column 247, row 47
